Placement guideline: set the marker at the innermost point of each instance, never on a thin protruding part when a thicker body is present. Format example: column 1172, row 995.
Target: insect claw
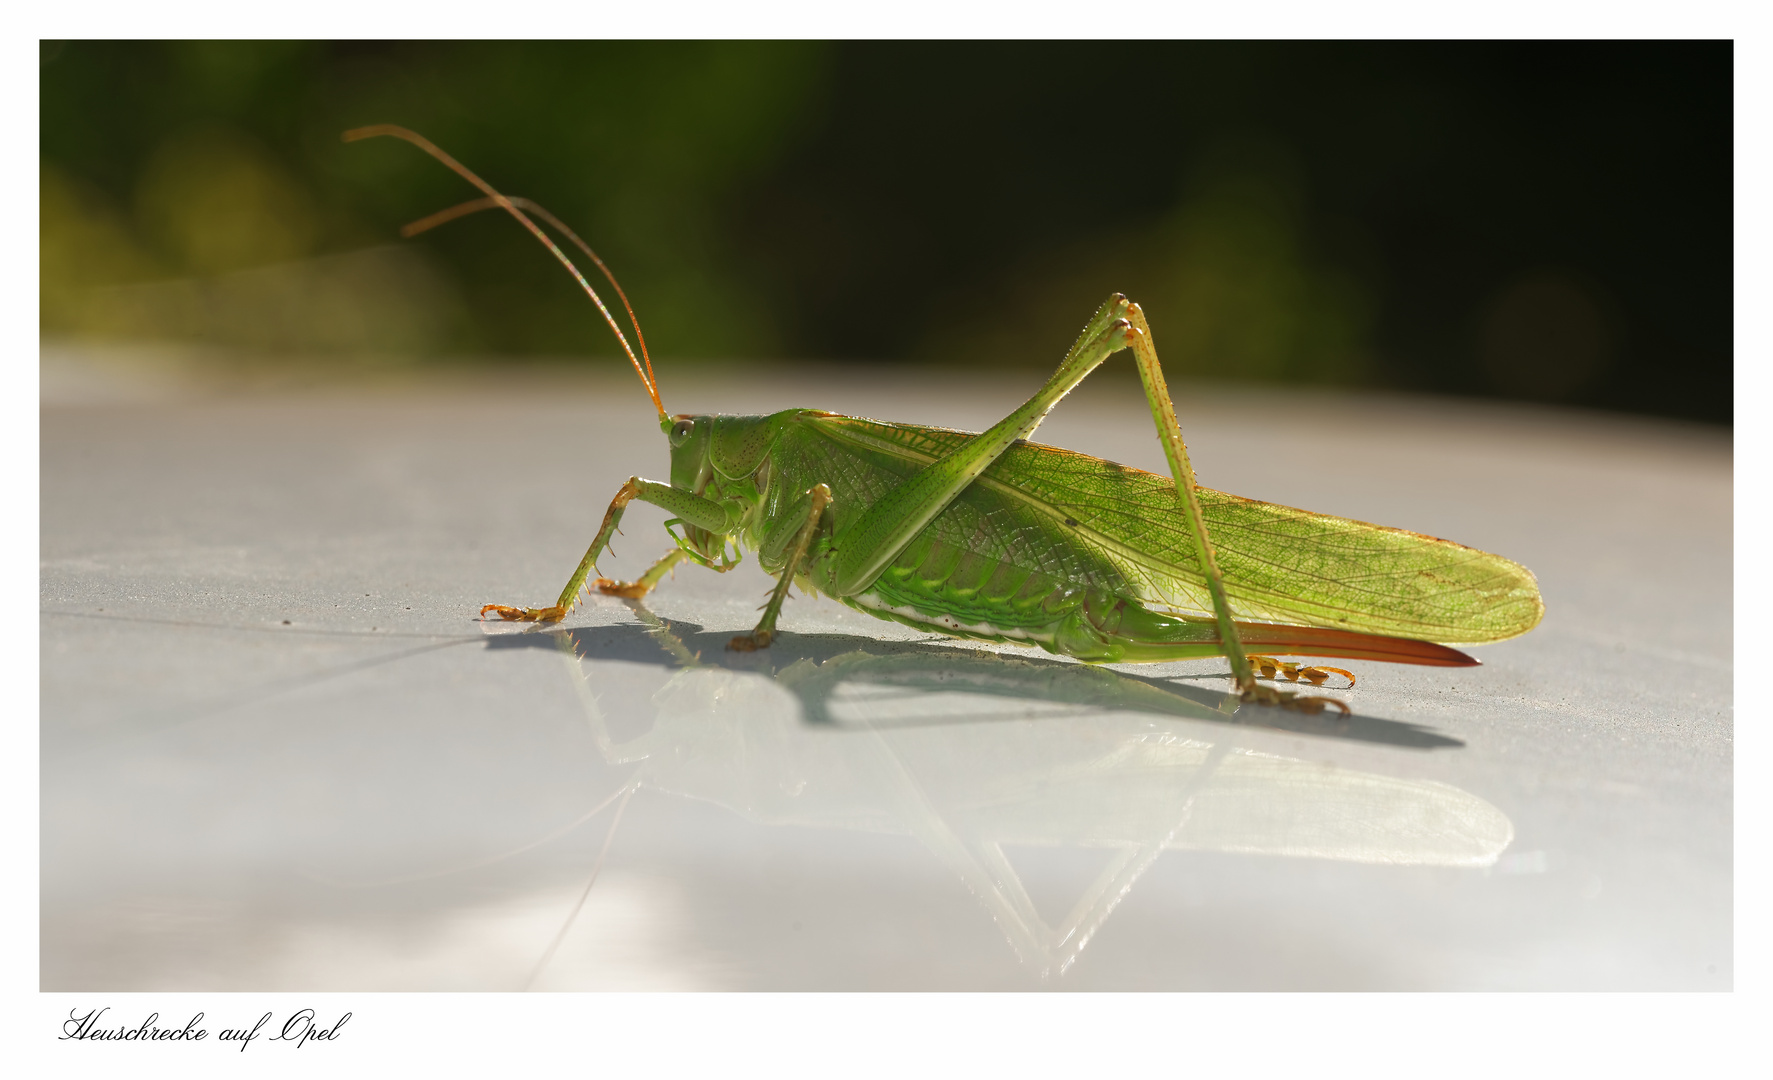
column 1317, row 675
column 516, row 614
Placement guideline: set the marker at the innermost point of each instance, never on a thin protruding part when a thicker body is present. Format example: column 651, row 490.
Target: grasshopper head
column 708, row 449
column 691, row 438
column 718, row 458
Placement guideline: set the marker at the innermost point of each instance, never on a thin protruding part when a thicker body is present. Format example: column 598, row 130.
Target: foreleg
column 692, row 508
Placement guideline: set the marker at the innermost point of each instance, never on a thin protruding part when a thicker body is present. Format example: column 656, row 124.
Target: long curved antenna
column 510, row 205
column 474, row 206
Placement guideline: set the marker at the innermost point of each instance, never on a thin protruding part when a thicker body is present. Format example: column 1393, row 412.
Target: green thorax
column 987, row 567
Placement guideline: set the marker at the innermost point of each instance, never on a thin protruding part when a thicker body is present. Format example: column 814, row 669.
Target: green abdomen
column 951, row 590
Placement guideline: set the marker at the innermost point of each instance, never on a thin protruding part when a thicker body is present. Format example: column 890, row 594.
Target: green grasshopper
column 991, row 537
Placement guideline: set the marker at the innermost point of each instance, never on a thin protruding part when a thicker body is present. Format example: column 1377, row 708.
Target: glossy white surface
column 279, row 753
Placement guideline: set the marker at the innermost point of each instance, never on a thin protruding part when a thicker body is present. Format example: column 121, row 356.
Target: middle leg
column 818, row 499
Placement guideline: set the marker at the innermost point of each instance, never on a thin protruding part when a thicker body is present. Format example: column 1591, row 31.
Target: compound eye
column 680, row 432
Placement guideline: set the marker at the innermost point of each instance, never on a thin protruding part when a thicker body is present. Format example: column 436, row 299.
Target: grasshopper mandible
column 990, row 537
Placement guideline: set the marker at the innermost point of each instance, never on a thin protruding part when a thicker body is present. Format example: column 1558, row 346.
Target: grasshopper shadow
column 813, row 666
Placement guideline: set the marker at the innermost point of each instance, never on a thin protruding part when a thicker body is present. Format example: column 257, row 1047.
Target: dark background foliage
column 1546, row 221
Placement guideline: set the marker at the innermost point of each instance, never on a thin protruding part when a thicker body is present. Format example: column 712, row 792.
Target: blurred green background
column 1541, row 221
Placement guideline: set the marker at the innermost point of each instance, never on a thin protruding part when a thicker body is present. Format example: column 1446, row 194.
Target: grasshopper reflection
column 980, row 756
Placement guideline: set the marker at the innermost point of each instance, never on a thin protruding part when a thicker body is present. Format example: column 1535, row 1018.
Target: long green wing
column 1279, row 564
